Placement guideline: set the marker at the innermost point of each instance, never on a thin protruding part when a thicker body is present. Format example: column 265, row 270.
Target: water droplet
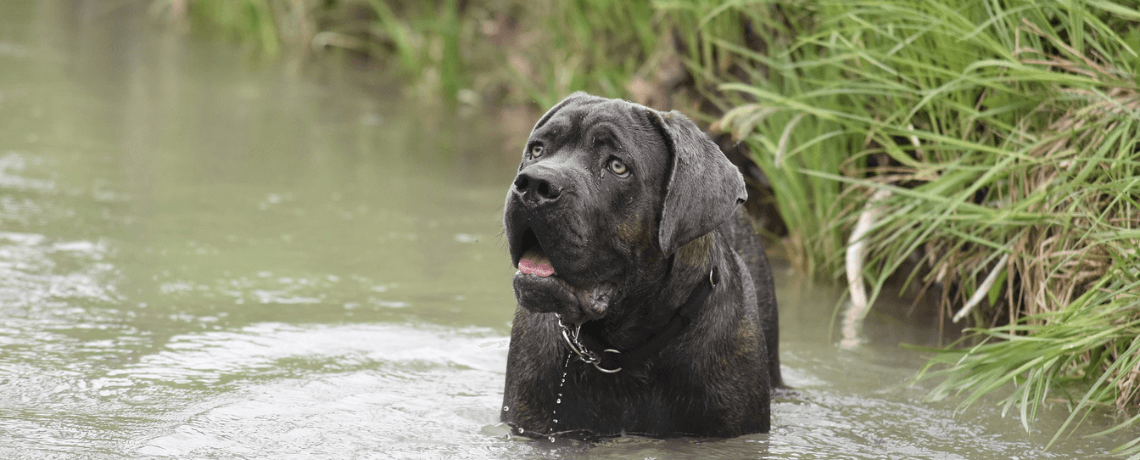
column 552, row 439
column 559, row 401
column 506, row 409
column 555, row 420
column 521, row 431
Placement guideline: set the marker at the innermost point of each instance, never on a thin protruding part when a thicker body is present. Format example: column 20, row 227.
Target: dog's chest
column 613, row 403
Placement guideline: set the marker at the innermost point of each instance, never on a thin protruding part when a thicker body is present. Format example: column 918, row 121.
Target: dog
column 645, row 302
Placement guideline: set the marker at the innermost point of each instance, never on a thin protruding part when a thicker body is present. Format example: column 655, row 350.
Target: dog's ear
column 703, row 187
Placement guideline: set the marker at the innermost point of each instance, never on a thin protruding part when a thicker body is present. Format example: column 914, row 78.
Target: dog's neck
column 644, row 313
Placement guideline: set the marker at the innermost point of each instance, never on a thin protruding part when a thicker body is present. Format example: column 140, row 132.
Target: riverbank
column 984, row 154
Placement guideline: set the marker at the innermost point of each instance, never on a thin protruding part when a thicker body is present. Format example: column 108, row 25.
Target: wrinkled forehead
column 575, row 119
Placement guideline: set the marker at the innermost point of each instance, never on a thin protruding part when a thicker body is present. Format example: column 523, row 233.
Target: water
column 204, row 257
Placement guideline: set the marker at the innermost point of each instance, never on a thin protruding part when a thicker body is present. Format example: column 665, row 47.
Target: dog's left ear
column 703, row 189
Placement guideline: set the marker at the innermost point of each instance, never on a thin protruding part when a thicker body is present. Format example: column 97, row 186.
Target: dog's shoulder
column 740, row 232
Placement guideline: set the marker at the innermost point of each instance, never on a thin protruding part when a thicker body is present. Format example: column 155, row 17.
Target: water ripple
column 420, row 392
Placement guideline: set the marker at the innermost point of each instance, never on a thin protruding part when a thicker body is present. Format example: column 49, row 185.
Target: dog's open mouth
column 534, row 260
column 538, row 286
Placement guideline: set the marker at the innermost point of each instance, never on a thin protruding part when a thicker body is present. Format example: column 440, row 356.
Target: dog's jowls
column 634, row 254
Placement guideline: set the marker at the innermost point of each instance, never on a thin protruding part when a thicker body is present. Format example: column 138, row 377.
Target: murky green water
column 203, row 258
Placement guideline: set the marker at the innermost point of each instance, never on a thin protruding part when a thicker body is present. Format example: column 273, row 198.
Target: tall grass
column 1005, row 139
column 425, row 40
column 543, row 49
column 594, row 45
column 267, row 24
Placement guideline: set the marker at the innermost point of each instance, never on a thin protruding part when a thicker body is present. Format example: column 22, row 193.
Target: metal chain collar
column 572, row 338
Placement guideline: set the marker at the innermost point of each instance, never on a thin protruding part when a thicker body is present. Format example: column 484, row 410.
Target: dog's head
column 606, row 193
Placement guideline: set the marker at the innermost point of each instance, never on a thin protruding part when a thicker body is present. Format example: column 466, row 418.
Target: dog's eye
column 618, row 167
column 536, row 150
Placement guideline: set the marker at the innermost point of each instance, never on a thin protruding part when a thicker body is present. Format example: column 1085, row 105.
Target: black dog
column 646, row 304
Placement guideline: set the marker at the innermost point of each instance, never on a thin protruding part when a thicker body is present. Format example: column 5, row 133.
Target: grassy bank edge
column 999, row 142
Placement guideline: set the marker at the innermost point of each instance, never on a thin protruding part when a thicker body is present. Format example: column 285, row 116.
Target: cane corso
column 645, row 302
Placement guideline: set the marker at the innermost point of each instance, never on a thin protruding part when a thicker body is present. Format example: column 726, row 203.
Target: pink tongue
column 531, row 267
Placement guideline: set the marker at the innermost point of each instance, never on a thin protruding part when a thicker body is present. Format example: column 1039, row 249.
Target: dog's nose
column 537, row 187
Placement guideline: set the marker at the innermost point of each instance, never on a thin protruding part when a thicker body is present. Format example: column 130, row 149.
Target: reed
column 1003, row 140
